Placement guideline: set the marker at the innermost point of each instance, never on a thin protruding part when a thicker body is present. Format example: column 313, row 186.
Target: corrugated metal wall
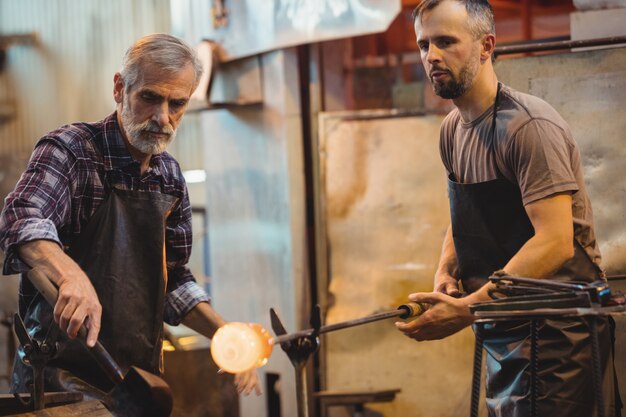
column 257, row 227
column 68, row 76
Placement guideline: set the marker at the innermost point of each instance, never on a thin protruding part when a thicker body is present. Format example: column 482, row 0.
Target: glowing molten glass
column 238, row 347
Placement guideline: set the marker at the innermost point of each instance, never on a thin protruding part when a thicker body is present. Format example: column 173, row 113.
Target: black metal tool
column 598, row 292
column 36, row 354
column 137, row 393
column 534, row 300
column 299, row 349
column 521, row 296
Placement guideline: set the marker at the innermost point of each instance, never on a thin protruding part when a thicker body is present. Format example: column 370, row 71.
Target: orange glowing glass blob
column 237, row 347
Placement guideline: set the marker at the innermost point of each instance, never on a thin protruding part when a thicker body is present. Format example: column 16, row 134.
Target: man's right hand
column 78, row 302
column 446, row 284
column 77, row 305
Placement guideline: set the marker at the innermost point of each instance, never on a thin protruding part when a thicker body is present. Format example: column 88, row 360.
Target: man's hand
column 205, row 320
column 77, row 305
column 446, row 284
column 78, row 302
column 247, row 381
column 447, row 315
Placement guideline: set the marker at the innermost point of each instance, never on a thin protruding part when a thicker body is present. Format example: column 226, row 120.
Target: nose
column 433, row 54
column 161, row 114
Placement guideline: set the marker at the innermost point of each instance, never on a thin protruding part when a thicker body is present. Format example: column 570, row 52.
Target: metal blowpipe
column 237, row 347
column 404, row 312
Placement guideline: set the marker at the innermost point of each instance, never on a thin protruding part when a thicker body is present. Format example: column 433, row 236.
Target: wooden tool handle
column 51, row 293
column 413, row 309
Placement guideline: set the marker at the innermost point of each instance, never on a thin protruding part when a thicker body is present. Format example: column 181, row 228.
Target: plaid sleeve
column 180, row 301
column 40, row 203
column 183, row 292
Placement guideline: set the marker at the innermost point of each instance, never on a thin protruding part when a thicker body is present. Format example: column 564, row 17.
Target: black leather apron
column 122, row 251
column 489, row 226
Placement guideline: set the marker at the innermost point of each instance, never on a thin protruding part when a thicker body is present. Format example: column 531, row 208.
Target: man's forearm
column 447, row 262
column 553, row 242
column 540, row 257
column 47, row 256
column 204, row 319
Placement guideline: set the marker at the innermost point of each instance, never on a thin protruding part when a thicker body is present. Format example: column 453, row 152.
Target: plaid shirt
column 61, row 189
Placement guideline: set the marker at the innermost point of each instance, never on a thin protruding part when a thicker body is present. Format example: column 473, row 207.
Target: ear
column 488, row 46
column 118, row 88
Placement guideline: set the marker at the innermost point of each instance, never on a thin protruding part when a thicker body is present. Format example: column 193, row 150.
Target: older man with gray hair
column 103, row 211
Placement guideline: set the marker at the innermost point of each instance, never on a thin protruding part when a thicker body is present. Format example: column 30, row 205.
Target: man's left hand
column 247, row 381
column 447, row 315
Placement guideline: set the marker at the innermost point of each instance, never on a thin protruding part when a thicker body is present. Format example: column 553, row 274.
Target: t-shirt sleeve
column 540, row 157
column 446, row 136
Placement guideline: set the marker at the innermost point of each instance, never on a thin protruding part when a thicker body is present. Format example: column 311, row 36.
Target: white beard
column 139, row 133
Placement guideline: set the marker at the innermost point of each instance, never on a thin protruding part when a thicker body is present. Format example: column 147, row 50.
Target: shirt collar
column 116, row 154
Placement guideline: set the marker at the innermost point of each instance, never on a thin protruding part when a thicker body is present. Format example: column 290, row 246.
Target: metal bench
column 354, row 400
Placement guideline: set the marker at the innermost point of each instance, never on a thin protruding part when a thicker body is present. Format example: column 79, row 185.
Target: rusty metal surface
column 385, row 212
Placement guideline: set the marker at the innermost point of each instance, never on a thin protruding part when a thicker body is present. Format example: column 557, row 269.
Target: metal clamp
column 36, row 355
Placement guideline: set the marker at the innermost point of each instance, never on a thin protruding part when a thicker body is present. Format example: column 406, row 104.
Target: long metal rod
column 342, row 325
column 301, row 390
column 550, row 312
column 615, row 277
column 557, row 45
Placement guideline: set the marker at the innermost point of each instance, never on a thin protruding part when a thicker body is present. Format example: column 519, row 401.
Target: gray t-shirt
column 532, row 147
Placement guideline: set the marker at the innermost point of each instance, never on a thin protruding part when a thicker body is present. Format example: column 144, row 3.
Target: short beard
column 139, row 133
column 455, row 88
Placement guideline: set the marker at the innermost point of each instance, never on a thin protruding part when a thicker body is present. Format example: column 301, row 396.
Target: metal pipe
column 404, row 311
column 597, row 366
column 558, row 45
column 615, row 277
column 301, row 390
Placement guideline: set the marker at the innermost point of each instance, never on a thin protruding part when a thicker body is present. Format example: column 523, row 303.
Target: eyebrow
column 157, row 95
column 150, row 92
column 440, row 38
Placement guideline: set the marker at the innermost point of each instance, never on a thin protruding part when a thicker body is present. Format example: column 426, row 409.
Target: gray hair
column 481, row 21
column 164, row 51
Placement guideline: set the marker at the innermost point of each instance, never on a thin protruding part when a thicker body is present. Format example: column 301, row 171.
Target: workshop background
column 314, row 171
